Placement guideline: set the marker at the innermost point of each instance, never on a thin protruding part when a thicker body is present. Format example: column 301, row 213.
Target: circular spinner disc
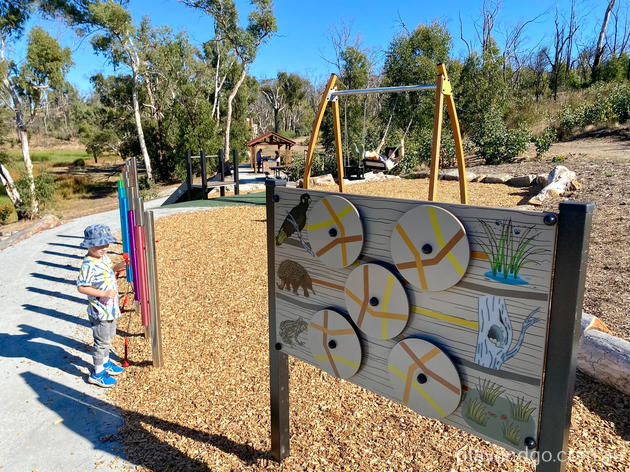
column 335, row 344
column 424, row 378
column 335, row 232
column 430, row 248
column 376, row 301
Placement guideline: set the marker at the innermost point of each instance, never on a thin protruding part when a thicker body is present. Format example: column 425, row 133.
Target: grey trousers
column 104, row 332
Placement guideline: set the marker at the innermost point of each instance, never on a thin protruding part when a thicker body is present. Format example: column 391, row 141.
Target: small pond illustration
column 509, row 248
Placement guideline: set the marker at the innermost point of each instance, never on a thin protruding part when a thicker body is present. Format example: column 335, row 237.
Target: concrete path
column 52, row 419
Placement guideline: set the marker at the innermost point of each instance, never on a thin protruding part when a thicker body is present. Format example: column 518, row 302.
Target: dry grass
column 208, row 407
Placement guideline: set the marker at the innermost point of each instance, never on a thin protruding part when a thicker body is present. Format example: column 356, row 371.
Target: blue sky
column 303, row 44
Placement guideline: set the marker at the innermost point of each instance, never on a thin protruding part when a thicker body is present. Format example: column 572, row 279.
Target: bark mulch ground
column 208, row 407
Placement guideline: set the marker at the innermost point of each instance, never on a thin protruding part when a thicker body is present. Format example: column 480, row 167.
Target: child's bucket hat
column 97, row 235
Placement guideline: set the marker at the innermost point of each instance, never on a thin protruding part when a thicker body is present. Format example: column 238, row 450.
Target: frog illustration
column 290, row 330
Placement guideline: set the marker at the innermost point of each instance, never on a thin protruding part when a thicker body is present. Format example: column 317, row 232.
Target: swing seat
column 375, row 166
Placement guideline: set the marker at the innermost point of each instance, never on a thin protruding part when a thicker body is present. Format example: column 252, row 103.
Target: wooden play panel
column 334, row 343
column 430, row 248
column 335, row 232
column 376, row 301
column 424, row 378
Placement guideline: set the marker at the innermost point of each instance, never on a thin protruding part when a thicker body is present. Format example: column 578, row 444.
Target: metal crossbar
column 401, row 88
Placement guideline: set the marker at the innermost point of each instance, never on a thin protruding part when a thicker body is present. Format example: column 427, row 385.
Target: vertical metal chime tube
column 131, row 219
column 154, row 297
column 122, row 206
column 140, row 258
column 125, row 177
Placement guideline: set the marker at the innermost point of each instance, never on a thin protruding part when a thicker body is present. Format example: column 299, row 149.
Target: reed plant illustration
column 512, row 433
column 475, row 411
column 511, row 250
column 520, row 410
column 489, row 391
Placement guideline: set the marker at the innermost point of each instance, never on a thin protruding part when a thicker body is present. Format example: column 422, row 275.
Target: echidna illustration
column 290, row 330
column 293, row 276
column 297, row 216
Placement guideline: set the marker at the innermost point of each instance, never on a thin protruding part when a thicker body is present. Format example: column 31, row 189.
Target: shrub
column 322, row 164
column 544, row 142
column 78, row 163
column 148, row 189
column 5, row 213
column 495, row 142
column 620, row 103
column 70, row 185
column 45, row 187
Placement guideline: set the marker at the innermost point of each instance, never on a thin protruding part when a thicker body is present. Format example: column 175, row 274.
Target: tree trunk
column 275, row 119
column 136, row 115
column 228, row 117
column 494, row 336
column 9, row 186
column 28, row 164
column 602, row 34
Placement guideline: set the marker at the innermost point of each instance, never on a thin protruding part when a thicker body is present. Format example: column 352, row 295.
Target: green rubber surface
column 233, row 200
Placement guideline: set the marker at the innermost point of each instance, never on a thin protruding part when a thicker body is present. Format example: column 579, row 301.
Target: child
column 97, row 280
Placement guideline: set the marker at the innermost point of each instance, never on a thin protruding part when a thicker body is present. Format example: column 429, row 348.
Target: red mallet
column 126, row 360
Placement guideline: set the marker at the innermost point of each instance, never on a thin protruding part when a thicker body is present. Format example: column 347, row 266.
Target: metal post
column 204, row 177
column 221, row 170
column 278, row 361
column 235, row 172
column 189, row 176
column 563, row 336
column 154, row 297
column 135, row 173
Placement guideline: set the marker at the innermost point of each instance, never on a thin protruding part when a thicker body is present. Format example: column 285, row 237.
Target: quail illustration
column 297, row 215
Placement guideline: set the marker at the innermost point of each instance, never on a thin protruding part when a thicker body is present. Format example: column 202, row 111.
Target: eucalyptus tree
column 116, row 39
column 242, row 42
column 24, row 88
column 293, row 89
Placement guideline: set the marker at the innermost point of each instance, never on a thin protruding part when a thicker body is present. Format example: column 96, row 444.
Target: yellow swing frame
column 442, row 90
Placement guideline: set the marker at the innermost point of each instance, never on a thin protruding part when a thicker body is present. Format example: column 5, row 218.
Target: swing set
column 443, row 91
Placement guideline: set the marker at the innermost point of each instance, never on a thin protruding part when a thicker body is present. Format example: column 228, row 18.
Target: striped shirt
column 98, row 273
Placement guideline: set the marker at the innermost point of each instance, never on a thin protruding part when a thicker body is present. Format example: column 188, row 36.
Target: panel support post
column 189, row 176
column 204, row 175
column 278, row 361
column 235, row 171
column 563, row 336
column 221, row 170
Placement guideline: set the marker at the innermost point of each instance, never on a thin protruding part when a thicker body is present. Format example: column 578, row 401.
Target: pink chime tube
column 142, row 275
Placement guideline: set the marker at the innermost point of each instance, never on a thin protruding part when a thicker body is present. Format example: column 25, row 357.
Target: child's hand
column 110, row 293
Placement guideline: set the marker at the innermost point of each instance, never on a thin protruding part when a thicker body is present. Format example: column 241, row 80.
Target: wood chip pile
column 208, row 407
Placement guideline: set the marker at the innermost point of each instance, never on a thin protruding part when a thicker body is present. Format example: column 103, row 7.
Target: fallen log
column 603, row 356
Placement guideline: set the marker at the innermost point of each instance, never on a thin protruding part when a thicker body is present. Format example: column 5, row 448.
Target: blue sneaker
column 102, row 380
column 113, row 369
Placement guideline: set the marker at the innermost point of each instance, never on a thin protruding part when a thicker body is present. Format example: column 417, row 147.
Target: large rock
column 603, row 356
column 46, row 222
column 521, row 180
column 453, row 174
column 497, row 178
column 326, row 179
